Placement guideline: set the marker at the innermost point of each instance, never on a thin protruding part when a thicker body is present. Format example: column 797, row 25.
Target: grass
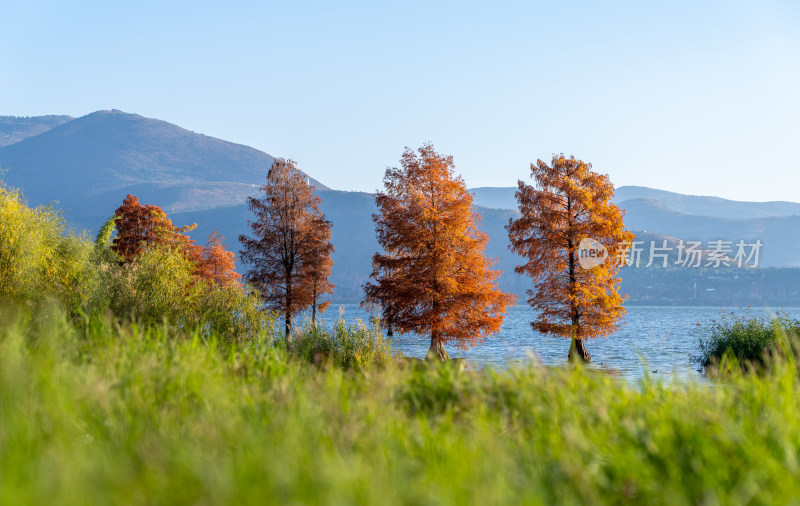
column 118, row 414
column 353, row 346
column 746, row 339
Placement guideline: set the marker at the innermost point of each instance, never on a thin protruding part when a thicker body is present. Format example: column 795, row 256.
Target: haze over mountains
column 89, row 164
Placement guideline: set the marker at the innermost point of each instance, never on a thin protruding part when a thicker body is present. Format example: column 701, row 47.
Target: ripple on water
column 655, row 340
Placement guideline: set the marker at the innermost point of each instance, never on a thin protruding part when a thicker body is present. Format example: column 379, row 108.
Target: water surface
column 655, row 340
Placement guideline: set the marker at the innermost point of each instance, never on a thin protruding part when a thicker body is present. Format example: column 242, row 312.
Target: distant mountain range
column 503, row 198
column 14, row 129
column 89, row 164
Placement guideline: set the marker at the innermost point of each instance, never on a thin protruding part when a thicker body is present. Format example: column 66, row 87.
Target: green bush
column 159, row 286
column 354, row 346
column 39, row 261
column 749, row 340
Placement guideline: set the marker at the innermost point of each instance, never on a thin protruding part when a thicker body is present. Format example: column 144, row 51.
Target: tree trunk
column 314, row 308
column 577, row 351
column 437, row 351
column 288, row 314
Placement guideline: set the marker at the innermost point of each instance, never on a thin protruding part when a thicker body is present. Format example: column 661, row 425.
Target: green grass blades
column 747, row 341
column 117, row 414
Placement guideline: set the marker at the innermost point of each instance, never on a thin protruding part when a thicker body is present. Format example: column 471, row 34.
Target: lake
column 658, row 340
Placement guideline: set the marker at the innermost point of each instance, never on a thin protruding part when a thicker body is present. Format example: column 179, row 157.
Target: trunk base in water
column 437, row 352
column 577, row 351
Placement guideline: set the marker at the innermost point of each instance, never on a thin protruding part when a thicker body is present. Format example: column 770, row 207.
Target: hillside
column 777, row 233
column 503, row 198
column 14, row 128
column 707, row 206
column 90, row 163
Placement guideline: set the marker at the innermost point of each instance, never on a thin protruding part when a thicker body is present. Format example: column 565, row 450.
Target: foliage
column 290, row 250
column 112, row 414
column 143, row 226
column 214, row 263
column 160, row 285
column 157, row 285
column 41, row 265
column 433, row 277
column 750, row 340
column 40, row 261
column 355, row 346
column 569, row 203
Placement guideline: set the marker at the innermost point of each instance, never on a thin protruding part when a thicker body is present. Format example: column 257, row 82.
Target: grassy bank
column 108, row 414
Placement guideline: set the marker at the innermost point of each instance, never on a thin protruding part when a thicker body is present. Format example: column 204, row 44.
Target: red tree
column 433, row 277
column 290, row 241
column 140, row 226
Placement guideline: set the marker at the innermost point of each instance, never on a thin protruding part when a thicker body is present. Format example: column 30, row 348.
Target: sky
column 694, row 97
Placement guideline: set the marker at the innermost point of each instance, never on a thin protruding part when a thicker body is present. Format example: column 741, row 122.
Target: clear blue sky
column 696, row 97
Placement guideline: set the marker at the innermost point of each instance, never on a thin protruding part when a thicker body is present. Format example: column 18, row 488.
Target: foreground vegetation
column 107, row 413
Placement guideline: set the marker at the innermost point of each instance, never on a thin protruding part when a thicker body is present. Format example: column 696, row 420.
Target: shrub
column 39, row 260
column 355, row 346
column 750, row 340
column 159, row 285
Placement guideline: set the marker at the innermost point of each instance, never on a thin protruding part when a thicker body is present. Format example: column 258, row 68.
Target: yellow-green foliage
column 38, row 260
column 41, row 265
column 111, row 415
column 159, row 286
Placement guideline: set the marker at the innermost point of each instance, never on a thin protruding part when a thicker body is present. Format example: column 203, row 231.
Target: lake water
column 658, row 340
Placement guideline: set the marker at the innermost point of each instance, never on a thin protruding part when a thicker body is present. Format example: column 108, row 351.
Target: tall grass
column 107, row 413
column 349, row 346
column 748, row 340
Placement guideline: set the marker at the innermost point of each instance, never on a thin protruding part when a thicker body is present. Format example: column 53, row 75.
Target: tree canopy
column 568, row 204
column 289, row 252
column 432, row 277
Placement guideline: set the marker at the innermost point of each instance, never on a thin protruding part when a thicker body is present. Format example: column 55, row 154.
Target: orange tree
column 317, row 258
column 290, row 242
column 568, row 204
column 140, row 227
column 432, row 277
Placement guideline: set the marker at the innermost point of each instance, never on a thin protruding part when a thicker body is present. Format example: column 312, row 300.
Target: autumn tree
column 214, row 263
column 139, row 226
column 568, row 204
column 317, row 258
column 433, row 277
column 290, row 247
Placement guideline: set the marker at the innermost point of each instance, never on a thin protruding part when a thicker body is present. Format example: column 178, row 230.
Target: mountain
column 14, row 129
column 777, row 233
column 494, row 197
column 503, row 198
column 707, row 206
column 90, row 163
